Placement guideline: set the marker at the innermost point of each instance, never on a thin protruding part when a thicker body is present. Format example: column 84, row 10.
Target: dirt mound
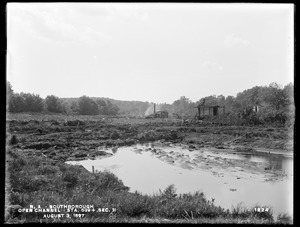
column 39, row 146
column 80, row 155
column 158, row 134
column 115, row 135
column 74, row 123
column 54, row 122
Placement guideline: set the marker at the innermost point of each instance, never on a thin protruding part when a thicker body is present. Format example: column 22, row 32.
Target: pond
column 147, row 172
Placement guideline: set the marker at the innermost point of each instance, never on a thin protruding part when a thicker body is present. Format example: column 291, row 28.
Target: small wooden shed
column 210, row 110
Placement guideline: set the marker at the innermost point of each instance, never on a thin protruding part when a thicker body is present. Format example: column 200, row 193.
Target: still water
column 145, row 173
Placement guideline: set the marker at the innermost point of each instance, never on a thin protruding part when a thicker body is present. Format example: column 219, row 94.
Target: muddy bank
column 72, row 139
column 218, row 162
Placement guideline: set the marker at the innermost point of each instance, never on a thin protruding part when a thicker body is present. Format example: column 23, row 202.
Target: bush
column 108, row 180
column 275, row 116
column 70, row 176
column 284, row 219
column 47, row 169
column 241, row 211
column 186, row 205
column 134, row 205
column 147, row 136
column 253, row 119
column 16, row 161
column 13, row 140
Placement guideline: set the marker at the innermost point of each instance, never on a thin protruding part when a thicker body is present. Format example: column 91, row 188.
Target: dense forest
column 275, row 102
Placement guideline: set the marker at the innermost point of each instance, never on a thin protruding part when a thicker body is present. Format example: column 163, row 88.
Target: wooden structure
column 210, row 110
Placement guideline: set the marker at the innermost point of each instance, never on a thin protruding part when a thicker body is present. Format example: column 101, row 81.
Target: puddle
column 148, row 168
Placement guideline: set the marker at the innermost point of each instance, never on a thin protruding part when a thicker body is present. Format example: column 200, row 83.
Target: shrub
column 147, row 136
column 70, row 176
column 170, row 192
column 15, row 198
column 24, row 182
column 16, row 161
column 134, row 205
column 115, row 135
column 13, row 140
column 188, row 205
column 108, row 180
column 47, row 169
column 284, row 219
column 241, row 211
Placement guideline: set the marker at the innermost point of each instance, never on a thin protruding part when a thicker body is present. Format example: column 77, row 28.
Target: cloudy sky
column 148, row 52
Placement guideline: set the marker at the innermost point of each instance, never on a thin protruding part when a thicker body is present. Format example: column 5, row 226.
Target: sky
column 155, row 52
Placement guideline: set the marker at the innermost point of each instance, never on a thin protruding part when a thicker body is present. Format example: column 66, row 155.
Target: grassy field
column 42, row 180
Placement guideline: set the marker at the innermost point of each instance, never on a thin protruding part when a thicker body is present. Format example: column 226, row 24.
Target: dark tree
column 275, row 97
column 53, row 104
column 16, row 103
column 9, row 95
column 33, row 102
column 111, row 108
column 87, row 106
column 102, row 106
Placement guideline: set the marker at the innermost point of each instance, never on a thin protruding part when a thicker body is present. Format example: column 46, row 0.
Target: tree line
column 27, row 102
column 275, row 103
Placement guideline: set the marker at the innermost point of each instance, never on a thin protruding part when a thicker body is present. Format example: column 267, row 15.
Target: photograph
column 165, row 113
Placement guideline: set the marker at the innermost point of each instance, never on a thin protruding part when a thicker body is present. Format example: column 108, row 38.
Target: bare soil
column 62, row 139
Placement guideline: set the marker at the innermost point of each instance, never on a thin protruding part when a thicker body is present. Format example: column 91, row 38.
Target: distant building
column 210, row 110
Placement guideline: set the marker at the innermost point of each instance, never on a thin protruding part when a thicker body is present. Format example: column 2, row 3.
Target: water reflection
column 275, row 161
column 141, row 170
